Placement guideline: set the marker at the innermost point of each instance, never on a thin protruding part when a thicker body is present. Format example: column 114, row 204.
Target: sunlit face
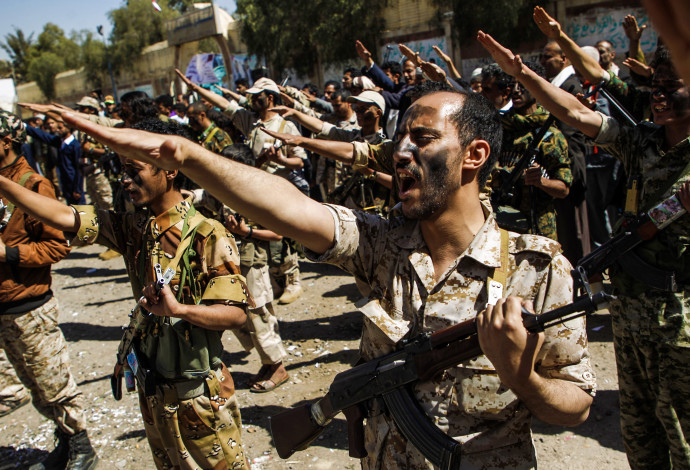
column 142, row 182
column 606, row 54
column 428, row 155
column 670, row 98
column 347, row 80
column 409, row 72
column 551, row 58
column 495, row 94
column 367, row 113
column 522, row 98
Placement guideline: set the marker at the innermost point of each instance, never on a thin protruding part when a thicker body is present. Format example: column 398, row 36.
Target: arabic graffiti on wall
column 607, row 24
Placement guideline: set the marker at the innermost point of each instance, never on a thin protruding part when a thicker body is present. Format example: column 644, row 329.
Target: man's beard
column 434, row 191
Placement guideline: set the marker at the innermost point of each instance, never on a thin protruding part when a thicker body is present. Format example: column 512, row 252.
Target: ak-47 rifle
column 391, row 377
column 504, row 195
column 139, row 320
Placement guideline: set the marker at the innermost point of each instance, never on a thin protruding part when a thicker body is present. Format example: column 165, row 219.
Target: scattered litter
column 292, row 348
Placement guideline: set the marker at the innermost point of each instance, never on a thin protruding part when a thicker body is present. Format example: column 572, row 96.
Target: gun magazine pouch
column 511, row 219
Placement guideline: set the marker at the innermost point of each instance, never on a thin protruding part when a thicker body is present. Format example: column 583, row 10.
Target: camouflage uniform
column 11, row 389
column 97, row 185
column 635, row 100
column 365, row 193
column 29, row 332
column 392, row 266
column 518, row 133
column 261, row 329
column 286, row 260
column 193, row 419
column 652, row 327
column 329, row 172
column 214, row 139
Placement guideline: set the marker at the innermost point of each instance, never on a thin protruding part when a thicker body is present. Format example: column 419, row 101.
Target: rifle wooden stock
column 296, row 428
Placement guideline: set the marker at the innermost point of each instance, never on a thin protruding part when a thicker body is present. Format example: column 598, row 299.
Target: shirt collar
column 562, row 76
column 171, row 217
column 207, row 131
column 68, row 140
column 485, row 248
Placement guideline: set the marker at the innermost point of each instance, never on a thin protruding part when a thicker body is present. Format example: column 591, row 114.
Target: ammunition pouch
column 182, row 350
column 511, row 219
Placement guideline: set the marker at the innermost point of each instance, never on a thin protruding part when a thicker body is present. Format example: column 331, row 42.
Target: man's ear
column 170, row 175
column 476, row 154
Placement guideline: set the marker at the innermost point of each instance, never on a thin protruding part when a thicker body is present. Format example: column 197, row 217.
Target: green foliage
column 302, row 33
column 92, row 57
column 53, row 39
column 19, row 47
column 43, row 70
column 135, row 26
column 5, row 69
column 508, row 21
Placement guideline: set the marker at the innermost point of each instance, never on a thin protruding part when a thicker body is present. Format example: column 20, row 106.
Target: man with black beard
column 426, row 270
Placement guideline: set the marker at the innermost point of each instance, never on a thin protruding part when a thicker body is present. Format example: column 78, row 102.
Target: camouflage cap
column 11, row 125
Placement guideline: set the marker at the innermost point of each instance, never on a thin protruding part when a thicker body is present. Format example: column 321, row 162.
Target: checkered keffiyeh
column 11, row 125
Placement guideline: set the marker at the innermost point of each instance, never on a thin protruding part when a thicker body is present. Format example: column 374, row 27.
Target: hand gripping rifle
column 139, row 320
column 392, row 377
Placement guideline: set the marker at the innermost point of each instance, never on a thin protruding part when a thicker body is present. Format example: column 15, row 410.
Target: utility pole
column 99, row 28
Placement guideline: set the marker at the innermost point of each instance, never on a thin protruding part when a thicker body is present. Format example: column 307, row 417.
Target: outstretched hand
column 163, row 151
column 434, row 72
column 638, row 67
column 288, row 139
column 548, row 25
column 283, row 111
column 363, row 53
column 187, row 81
column 632, row 31
column 442, row 55
column 410, row 54
column 509, row 62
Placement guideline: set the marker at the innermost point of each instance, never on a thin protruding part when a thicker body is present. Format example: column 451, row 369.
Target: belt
column 192, row 388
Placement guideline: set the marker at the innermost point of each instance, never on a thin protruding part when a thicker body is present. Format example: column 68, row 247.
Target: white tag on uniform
column 495, row 292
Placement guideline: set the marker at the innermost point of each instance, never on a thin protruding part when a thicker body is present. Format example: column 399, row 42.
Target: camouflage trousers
column 260, row 331
column 11, row 388
column 654, row 391
column 99, row 190
column 199, row 432
column 388, row 449
column 38, row 352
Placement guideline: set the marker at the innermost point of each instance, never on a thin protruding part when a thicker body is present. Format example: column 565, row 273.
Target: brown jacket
column 31, row 247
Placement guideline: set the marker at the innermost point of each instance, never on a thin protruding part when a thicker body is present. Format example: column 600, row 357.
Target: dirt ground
column 321, row 332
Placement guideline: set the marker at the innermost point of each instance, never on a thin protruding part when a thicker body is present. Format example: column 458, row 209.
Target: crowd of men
column 447, row 200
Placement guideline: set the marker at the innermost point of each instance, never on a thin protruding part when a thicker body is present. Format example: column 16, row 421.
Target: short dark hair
column 662, row 57
column 535, row 67
column 179, row 107
column 197, row 107
column 156, row 126
column 393, row 66
column 353, row 72
column 501, row 79
column 426, row 88
column 313, row 89
column 341, row 93
column 239, row 153
column 141, row 105
column 165, row 100
column 477, row 118
column 241, row 81
column 335, row 84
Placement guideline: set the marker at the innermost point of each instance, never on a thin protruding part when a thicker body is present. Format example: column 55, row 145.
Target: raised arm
column 339, row 151
column 586, row 65
column 312, row 123
column 560, row 103
column 449, row 63
column 672, row 20
column 214, row 98
column 248, row 190
column 634, row 32
column 45, row 209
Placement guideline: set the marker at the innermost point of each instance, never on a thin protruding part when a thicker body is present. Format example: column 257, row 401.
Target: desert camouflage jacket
column 394, row 271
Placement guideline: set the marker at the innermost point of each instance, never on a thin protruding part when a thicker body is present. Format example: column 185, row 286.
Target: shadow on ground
column 603, row 424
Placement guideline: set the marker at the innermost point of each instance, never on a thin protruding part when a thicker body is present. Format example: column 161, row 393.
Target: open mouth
column 407, row 181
